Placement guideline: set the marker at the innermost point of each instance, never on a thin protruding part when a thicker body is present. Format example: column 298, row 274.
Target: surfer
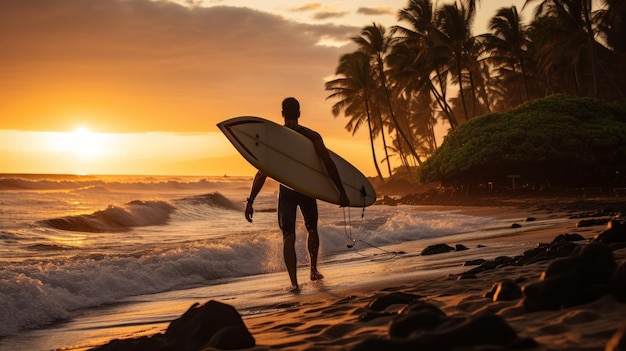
column 289, row 200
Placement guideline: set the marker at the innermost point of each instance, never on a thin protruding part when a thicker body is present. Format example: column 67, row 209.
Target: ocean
column 84, row 259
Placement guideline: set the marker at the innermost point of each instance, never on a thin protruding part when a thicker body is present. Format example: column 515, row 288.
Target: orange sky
column 150, row 79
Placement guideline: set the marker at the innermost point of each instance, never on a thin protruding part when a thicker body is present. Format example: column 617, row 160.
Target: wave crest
column 214, row 199
column 116, row 219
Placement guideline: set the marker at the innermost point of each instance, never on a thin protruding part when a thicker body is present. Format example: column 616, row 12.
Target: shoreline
column 342, row 318
column 340, row 324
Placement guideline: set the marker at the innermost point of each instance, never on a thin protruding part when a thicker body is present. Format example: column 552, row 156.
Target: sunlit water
column 87, row 257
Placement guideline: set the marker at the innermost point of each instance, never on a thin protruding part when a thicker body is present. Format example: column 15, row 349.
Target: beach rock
column 615, row 232
column 561, row 246
column 480, row 330
column 437, row 249
column 568, row 237
column 516, row 225
column 591, row 222
column 618, row 283
column 572, row 281
column 476, row 262
column 597, row 264
column 396, row 298
column 489, row 294
column 460, row 247
column 618, row 340
column 485, row 266
column 505, row 290
column 419, row 316
column 212, row 325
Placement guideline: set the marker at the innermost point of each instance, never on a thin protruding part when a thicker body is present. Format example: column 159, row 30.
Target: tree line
column 431, row 67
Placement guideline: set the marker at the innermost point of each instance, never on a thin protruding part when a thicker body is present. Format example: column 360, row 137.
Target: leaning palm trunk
column 371, row 135
column 462, row 93
column 382, row 133
column 383, row 84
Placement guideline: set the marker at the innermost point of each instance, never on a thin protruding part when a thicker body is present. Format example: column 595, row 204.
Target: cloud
column 307, row 7
column 376, row 11
column 141, row 65
column 322, row 12
column 323, row 15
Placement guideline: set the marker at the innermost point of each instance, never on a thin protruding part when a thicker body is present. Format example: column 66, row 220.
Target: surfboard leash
column 354, row 240
column 349, row 225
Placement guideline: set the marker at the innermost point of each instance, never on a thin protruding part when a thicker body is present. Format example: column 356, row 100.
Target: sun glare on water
column 81, row 142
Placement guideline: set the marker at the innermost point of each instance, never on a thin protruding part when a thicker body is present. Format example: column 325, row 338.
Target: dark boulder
column 212, row 325
column 437, row 249
column 573, row 280
column 615, row 232
column 482, row 330
column 568, row 237
column 419, row 316
column 591, row 222
column 505, row 290
column 397, row 298
column 476, row 262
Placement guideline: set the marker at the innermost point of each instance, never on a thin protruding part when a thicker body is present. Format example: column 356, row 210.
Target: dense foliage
column 432, row 69
column 558, row 141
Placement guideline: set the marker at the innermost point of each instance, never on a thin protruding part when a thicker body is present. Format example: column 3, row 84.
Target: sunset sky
column 137, row 86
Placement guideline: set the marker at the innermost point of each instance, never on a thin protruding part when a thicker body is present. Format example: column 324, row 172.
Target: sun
column 81, row 142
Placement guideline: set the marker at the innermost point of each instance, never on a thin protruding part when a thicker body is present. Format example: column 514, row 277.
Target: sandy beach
column 340, row 323
column 453, row 310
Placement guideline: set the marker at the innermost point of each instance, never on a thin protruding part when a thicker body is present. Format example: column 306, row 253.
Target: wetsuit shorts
column 288, row 201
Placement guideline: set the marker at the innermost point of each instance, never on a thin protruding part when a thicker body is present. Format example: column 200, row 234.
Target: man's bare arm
column 257, row 184
column 330, row 166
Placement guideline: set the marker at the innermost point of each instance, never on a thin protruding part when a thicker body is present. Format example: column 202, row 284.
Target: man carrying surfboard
column 289, row 200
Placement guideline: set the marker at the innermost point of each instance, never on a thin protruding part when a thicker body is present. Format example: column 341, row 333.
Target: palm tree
column 571, row 40
column 507, row 44
column 612, row 28
column 376, row 43
column 471, row 6
column 454, row 23
column 354, row 90
column 416, row 60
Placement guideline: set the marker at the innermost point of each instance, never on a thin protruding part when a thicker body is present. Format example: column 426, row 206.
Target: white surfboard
column 290, row 158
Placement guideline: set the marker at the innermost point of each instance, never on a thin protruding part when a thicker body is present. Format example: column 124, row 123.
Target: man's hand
column 249, row 211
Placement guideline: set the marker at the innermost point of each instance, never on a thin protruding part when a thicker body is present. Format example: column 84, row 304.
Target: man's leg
column 287, row 222
column 310, row 214
column 289, row 253
column 314, row 245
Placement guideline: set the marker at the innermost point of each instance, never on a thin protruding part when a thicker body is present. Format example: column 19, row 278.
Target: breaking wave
column 115, row 219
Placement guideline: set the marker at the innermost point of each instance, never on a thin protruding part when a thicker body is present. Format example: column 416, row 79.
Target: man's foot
column 294, row 289
column 315, row 275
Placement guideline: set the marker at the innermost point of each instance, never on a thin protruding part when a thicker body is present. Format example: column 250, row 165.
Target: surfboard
column 290, row 158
